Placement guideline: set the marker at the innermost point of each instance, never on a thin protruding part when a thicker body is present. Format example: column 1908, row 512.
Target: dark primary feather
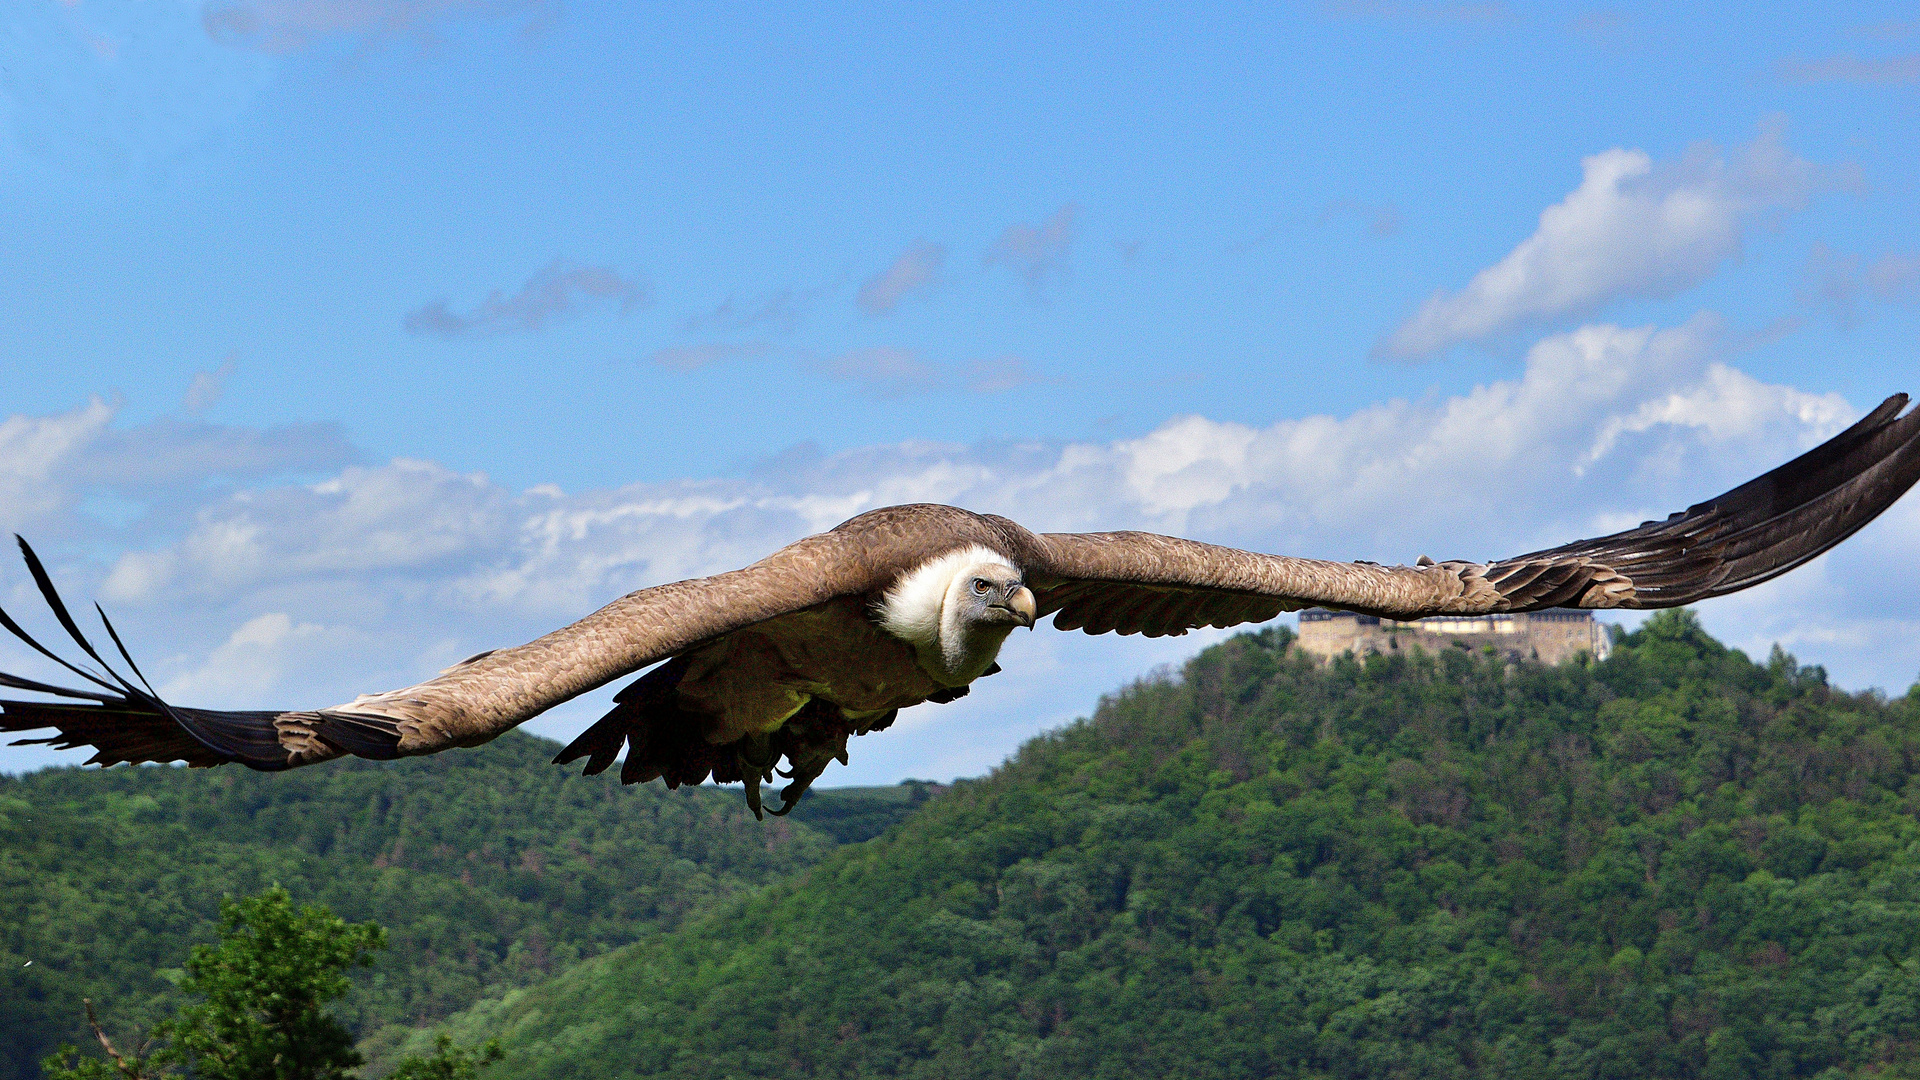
column 123, row 722
column 1754, row 533
column 1101, row 607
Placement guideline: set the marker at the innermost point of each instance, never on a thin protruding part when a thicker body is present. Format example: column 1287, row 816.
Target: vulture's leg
column 815, row 736
column 757, row 757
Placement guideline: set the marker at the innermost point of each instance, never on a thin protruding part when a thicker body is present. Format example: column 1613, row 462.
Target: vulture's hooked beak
column 1021, row 605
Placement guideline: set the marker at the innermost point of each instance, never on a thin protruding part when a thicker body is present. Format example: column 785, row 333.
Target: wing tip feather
column 123, row 722
column 1747, row 535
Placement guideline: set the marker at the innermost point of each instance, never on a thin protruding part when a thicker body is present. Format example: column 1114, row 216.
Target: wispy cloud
column 781, row 310
column 1895, row 278
column 889, row 373
column 1381, row 220
column 1891, row 30
column 117, row 90
column 1870, row 71
column 999, row 375
column 885, row 372
column 1633, row 228
column 695, row 357
column 1393, row 12
column 558, row 290
column 1037, row 252
column 1602, row 27
column 1840, row 280
column 205, row 390
column 283, row 26
column 917, row 269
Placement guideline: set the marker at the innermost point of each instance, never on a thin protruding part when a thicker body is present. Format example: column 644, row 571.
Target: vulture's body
column 831, row 636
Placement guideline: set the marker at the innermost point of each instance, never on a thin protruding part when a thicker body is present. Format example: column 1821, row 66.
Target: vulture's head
column 956, row 611
column 991, row 595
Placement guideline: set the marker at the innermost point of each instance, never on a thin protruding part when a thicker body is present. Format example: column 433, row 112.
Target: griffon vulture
column 833, row 635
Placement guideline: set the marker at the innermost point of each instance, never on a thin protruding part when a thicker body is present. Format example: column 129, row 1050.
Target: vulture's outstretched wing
column 1131, row 582
column 1126, row 582
column 476, row 700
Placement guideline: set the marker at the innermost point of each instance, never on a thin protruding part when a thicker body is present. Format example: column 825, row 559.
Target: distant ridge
column 490, row 868
column 1674, row 863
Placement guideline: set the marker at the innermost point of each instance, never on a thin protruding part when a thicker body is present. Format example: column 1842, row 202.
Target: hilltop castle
column 1551, row 637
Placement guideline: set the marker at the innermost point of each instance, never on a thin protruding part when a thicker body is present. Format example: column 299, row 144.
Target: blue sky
column 340, row 338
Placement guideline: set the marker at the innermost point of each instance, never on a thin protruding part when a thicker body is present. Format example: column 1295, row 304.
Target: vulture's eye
column 981, row 586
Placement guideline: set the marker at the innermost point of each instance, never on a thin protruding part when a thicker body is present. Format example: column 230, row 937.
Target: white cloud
column 249, row 663
column 1633, row 228
column 33, row 448
column 49, row 465
column 307, row 593
column 403, row 517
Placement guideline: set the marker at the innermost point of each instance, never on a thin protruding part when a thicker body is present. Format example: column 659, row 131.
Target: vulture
column 830, row 637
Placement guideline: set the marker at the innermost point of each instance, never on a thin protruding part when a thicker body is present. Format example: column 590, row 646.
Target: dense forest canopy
column 492, row 869
column 1676, row 863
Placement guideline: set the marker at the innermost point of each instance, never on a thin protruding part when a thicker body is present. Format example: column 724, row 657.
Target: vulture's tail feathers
column 127, row 722
column 663, row 740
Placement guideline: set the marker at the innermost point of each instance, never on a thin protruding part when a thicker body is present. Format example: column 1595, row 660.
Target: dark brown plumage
column 830, row 636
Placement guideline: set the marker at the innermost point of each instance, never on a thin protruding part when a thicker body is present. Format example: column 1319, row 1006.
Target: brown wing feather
column 1754, row 533
column 475, row 701
column 1104, row 582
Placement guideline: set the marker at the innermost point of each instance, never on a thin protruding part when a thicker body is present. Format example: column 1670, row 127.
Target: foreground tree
column 265, row 990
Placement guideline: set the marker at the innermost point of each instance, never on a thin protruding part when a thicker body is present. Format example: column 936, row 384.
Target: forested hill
column 490, row 868
column 1677, row 863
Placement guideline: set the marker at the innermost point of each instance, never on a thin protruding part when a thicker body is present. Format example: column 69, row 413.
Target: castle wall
column 1551, row 637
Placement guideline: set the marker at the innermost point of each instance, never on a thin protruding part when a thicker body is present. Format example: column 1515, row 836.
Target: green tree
column 448, row 1063
column 267, row 984
column 67, row 1064
column 264, row 992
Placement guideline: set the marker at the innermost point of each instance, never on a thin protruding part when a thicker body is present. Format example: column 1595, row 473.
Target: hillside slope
column 491, row 869
column 1677, row 863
